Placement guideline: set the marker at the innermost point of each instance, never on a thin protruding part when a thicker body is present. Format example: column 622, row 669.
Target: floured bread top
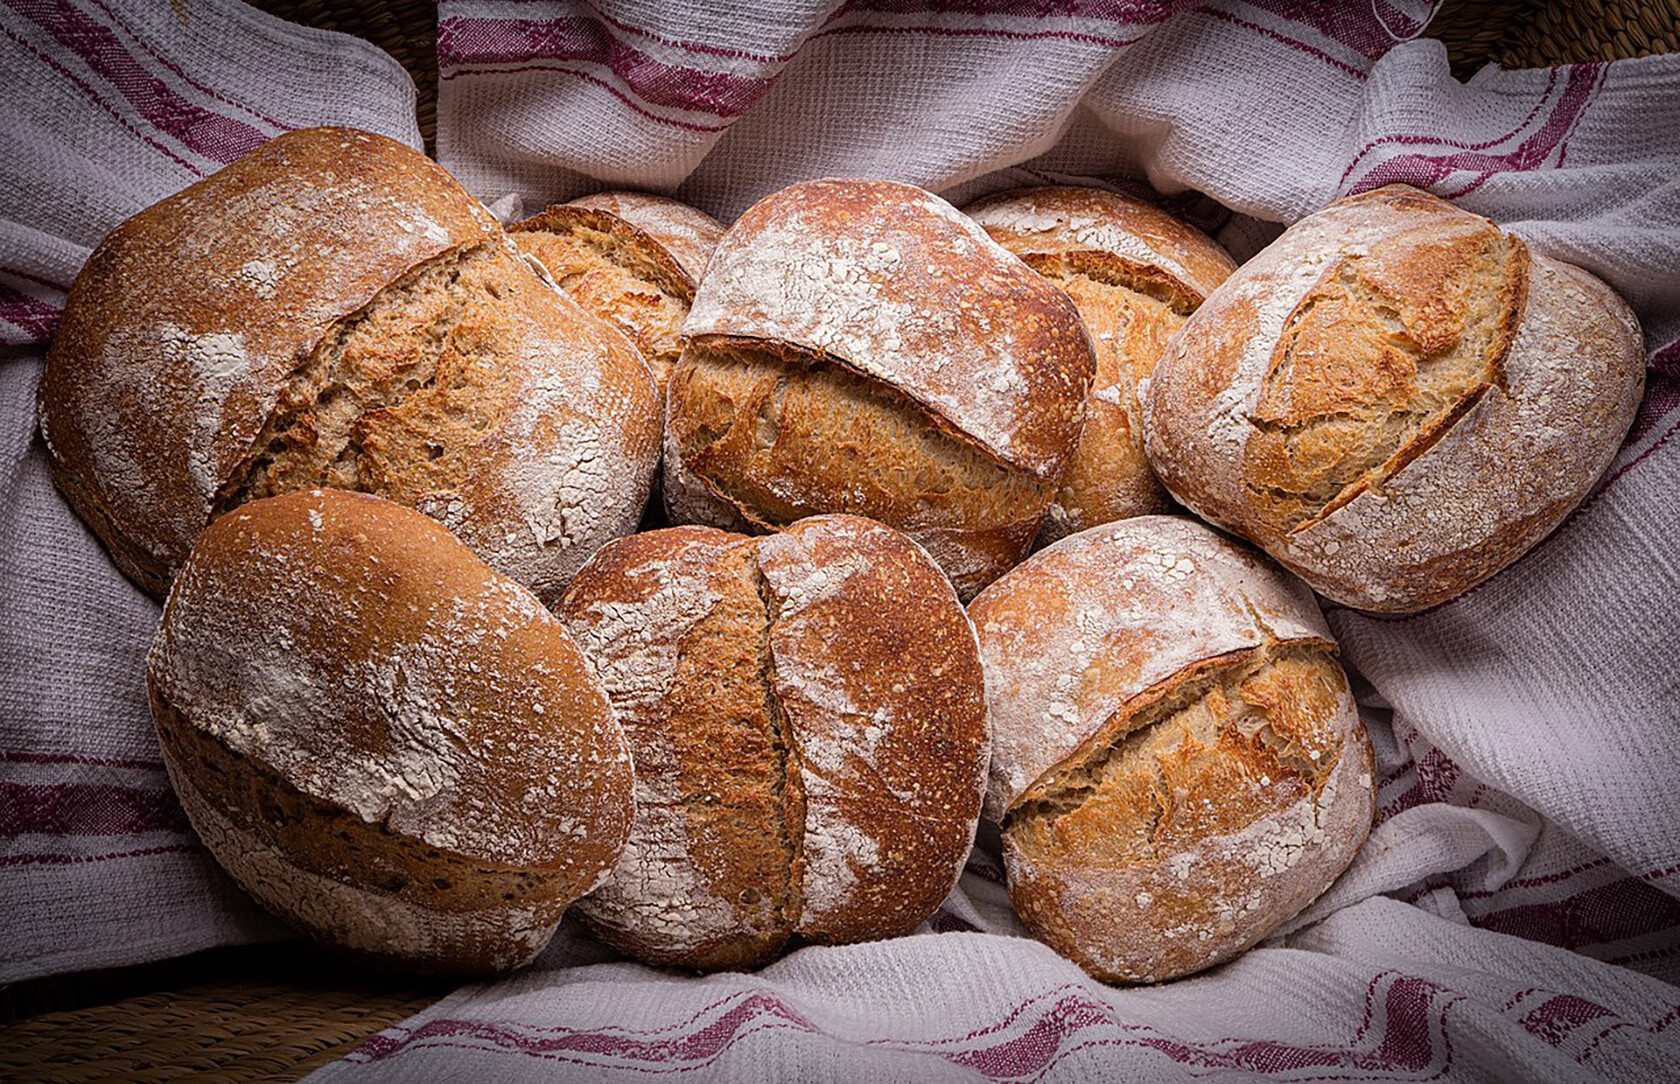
column 184, row 324
column 893, row 282
column 359, row 651
column 1072, row 636
column 1390, row 369
column 809, row 729
column 458, row 383
column 1178, row 765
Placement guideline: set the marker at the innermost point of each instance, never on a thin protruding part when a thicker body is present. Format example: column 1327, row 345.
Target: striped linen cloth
column 1516, row 911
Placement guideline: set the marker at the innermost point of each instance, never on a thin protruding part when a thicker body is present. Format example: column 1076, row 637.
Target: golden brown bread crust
column 333, row 309
column 675, row 624
column 810, row 736
column 1395, row 399
column 877, row 676
column 365, row 721
column 889, row 285
column 1178, row 766
column 1134, row 273
column 631, row 259
column 202, row 304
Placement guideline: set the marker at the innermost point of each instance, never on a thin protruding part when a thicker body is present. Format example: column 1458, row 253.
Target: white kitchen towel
column 110, row 105
column 1516, row 911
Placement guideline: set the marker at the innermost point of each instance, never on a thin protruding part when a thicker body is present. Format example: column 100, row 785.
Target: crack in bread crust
column 1376, row 364
column 413, row 375
column 786, row 785
column 1257, row 716
column 778, row 438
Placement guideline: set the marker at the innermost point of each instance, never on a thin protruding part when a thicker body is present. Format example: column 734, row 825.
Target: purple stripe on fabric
column 603, row 84
column 77, row 758
column 977, row 32
column 94, row 96
column 79, row 859
column 216, row 137
column 463, row 40
column 87, row 809
column 175, row 69
column 1413, row 1010
column 1283, row 39
column 1428, row 170
column 37, row 319
column 1357, row 26
column 1617, row 911
column 1441, row 141
column 1662, row 392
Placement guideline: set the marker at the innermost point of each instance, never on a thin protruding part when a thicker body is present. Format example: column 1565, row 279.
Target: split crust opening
column 781, row 437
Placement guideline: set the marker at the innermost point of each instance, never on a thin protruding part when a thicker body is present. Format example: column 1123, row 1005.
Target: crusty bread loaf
column 385, row 742
column 1177, row 763
column 630, row 258
column 860, row 346
column 334, row 310
column 807, row 716
column 1395, row 399
column 1135, row 273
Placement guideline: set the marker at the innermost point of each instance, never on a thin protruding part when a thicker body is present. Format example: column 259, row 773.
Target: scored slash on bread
column 1134, row 273
column 807, row 718
column 384, row 741
column 1395, row 399
column 1177, row 766
column 870, row 325
column 334, row 309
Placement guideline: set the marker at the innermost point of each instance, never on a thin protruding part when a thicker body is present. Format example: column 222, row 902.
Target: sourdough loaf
column 1177, row 764
column 1135, row 273
column 385, row 742
column 334, row 310
column 1395, row 399
column 860, row 346
column 630, row 258
column 807, row 717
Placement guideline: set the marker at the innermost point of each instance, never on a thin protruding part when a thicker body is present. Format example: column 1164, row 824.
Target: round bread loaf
column 1177, row 764
column 631, row 259
column 386, row 743
column 334, row 310
column 808, row 720
column 1395, row 399
column 861, row 346
column 1134, row 273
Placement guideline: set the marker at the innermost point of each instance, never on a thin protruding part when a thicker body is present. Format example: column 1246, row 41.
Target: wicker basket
column 277, row 1012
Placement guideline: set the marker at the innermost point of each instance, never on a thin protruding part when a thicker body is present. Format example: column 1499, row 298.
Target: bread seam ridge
column 790, row 798
column 1118, row 273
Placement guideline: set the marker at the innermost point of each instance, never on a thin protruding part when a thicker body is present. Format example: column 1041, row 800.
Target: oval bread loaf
column 334, row 310
column 385, row 742
column 632, row 259
column 861, row 346
column 1135, row 273
column 1177, row 763
column 1395, row 399
column 807, row 716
